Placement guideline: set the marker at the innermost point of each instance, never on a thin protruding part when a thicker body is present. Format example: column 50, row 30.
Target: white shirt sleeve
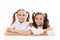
column 51, row 33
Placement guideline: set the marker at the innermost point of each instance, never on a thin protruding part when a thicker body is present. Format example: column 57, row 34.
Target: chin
column 21, row 21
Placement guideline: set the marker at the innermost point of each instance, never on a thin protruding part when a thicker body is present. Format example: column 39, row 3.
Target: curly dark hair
column 45, row 22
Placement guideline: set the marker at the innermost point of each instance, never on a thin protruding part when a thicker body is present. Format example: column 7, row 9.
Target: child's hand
column 11, row 30
column 43, row 34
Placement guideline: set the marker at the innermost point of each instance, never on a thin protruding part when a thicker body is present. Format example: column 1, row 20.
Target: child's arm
column 21, row 32
column 45, row 31
column 48, row 32
column 42, row 34
column 11, row 30
column 24, row 32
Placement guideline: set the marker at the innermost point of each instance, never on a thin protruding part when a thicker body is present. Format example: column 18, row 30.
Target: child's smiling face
column 21, row 15
column 39, row 19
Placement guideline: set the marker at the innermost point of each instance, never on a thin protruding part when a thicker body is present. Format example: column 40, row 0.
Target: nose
column 21, row 16
column 38, row 20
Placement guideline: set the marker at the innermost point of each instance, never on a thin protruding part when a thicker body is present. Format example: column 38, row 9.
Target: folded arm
column 21, row 32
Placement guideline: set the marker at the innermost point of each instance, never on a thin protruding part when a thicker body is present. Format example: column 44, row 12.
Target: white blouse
column 39, row 30
column 20, row 26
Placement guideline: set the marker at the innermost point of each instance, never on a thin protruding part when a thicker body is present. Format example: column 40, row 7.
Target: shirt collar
column 21, row 23
column 40, row 26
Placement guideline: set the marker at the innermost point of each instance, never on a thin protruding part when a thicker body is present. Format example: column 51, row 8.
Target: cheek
column 42, row 22
column 18, row 17
column 24, row 16
column 39, row 22
column 36, row 21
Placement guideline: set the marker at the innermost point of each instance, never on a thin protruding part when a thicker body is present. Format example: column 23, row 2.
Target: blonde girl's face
column 39, row 19
column 21, row 15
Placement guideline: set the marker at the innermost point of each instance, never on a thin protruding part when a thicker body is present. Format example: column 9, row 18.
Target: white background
column 51, row 7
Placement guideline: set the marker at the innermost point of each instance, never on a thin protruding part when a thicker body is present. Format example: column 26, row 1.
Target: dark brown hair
column 14, row 19
column 45, row 22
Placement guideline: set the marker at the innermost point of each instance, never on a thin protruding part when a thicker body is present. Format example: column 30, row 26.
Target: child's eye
column 23, row 15
column 41, row 19
column 19, row 15
column 36, row 18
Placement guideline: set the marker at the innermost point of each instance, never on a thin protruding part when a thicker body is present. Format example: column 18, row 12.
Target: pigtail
column 28, row 16
column 33, row 16
column 13, row 19
column 46, row 22
column 33, row 19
